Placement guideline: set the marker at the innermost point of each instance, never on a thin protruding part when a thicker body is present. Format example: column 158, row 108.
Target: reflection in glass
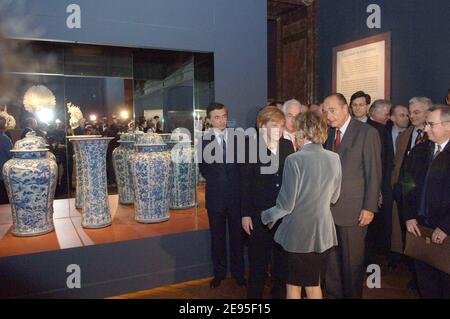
column 79, row 89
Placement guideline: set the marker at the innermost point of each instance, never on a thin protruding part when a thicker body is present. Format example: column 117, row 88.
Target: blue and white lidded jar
column 30, row 178
column 182, row 192
column 151, row 168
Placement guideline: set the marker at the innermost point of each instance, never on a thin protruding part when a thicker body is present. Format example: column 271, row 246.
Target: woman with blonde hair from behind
column 311, row 182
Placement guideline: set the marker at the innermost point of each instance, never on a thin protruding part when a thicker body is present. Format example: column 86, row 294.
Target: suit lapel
column 347, row 139
column 329, row 143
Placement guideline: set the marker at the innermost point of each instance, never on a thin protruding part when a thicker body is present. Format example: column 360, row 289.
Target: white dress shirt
column 443, row 145
column 219, row 135
column 343, row 129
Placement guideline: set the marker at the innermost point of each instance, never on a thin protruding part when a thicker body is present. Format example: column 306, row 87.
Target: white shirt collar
column 396, row 129
column 363, row 119
column 287, row 135
column 344, row 127
column 443, row 145
column 218, row 134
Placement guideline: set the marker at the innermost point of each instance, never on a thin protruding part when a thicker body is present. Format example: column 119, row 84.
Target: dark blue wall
column 420, row 40
column 234, row 30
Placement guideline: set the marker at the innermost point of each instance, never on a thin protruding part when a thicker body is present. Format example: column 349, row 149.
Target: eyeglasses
column 431, row 124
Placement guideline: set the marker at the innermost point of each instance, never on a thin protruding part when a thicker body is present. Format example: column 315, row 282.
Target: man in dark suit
column 427, row 200
column 221, row 172
column 359, row 149
column 414, row 135
column 379, row 231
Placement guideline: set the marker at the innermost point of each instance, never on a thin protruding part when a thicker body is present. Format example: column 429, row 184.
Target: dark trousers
column 3, row 194
column 379, row 231
column 262, row 252
column 218, row 221
column 432, row 283
column 345, row 271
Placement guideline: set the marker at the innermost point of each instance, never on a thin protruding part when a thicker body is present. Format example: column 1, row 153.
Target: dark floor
column 393, row 286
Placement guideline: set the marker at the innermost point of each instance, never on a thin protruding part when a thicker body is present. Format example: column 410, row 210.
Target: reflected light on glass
column 93, row 118
column 58, row 121
column 124, row 115
column 45, row 115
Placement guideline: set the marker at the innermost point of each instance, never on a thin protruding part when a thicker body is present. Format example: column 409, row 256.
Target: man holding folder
column 427, row 202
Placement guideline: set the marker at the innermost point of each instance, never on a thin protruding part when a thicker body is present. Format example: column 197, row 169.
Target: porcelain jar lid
column 149, row 139
column 129, row 137
column 176, row 137
column 30, row 143
column 180, row 137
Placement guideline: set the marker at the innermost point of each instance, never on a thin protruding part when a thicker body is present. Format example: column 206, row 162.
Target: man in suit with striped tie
column 427, row 201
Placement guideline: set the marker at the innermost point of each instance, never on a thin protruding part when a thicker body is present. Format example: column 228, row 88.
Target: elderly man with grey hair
column 291, row 109
column 379, row 111
column 414, row 135
column 379, row 232
column 427, row 203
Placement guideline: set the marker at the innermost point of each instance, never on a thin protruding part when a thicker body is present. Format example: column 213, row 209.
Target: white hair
column 289, row 102
column 426, row 102
column 378, row 106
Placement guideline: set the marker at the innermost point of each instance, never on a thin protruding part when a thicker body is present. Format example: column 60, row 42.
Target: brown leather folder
column 423, row 249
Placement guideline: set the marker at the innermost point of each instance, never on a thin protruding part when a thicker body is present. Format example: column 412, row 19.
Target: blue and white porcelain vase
column 79, row 187
column 92, row 158
column 122, row 167
column 151, row 169
column 182, row 190
column 30, row 178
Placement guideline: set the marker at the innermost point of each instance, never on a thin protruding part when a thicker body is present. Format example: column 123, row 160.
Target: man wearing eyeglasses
column 428, row 202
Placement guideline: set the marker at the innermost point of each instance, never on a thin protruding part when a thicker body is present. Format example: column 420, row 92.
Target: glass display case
column 94, row 92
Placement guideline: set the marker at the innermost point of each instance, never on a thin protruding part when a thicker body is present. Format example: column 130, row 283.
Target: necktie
column 337, row 142
column 437, row 152
column 294, row 142
column 423, row 203
column 420, row 138
column 224, row 147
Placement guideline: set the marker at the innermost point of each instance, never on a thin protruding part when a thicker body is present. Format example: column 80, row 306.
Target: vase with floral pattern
column 79, row 187
column 30, row 178
column 94, row 190
column 182, row 188
column 122, row 167
column 151, row 169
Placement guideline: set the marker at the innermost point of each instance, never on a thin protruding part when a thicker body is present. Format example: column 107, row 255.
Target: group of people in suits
column 332, row 201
